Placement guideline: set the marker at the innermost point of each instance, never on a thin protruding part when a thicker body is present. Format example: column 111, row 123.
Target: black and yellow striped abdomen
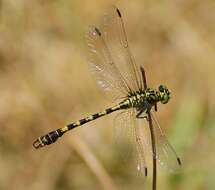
column 93, row 117
column 54, row 135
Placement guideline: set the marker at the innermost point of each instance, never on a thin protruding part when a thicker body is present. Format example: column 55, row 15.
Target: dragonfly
column 124, row 80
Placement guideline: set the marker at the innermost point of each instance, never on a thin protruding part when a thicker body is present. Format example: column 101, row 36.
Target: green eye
column 161, row 88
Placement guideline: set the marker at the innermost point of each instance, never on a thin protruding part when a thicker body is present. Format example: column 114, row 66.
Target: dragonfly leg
column 156, row 107
column 143, row 77
column 139, row 115
column 145, row 109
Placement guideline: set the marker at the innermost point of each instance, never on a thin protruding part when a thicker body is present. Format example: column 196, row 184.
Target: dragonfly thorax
column 145, row 99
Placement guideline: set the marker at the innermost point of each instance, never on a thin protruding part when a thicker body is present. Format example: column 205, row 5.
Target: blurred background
column 45, row 83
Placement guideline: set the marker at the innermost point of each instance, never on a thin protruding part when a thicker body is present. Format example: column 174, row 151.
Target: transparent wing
column 123, row 130
column 166, row 154
column 110, row 58
column 115, row 35
column 127, row 131
column 102, row 65
column 141, row 145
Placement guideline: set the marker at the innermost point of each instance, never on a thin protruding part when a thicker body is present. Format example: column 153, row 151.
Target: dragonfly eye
column 164, row 94
column 161, row 88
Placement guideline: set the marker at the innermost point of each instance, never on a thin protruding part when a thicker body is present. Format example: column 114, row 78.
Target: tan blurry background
column 45, row 83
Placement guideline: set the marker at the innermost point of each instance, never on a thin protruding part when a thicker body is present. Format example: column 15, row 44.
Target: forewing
column 115, row 36
column 102, row 65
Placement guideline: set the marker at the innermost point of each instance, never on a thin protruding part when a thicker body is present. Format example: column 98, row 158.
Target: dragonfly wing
column 128, row 130
column 123, row 130
column 110, row 57
column 166, row 154
column 141, row 145
column 102, row 65
column 116, row 38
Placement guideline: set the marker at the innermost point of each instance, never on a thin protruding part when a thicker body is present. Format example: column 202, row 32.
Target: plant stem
column 154, row 175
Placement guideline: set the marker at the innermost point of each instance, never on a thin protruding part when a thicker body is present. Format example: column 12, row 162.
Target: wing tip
column 118, row 12
column 97, row 31
column 179, row 161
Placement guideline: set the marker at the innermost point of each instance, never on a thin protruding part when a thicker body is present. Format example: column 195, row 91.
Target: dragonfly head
column 164, row 94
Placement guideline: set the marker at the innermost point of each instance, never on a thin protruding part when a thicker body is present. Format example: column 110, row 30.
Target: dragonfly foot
column 143, row 117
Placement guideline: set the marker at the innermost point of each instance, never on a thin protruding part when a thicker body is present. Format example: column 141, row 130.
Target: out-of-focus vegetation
column 45, row 83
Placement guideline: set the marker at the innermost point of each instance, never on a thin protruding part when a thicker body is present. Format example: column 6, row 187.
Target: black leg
column 139, row 113
column 138, row 116
column 156, row 107
column 143, row 77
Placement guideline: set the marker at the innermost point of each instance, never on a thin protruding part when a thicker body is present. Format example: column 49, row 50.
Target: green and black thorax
column 145, row 99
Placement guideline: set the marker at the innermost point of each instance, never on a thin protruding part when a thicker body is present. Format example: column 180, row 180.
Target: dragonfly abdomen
column 54, row 135
column 92, row 117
